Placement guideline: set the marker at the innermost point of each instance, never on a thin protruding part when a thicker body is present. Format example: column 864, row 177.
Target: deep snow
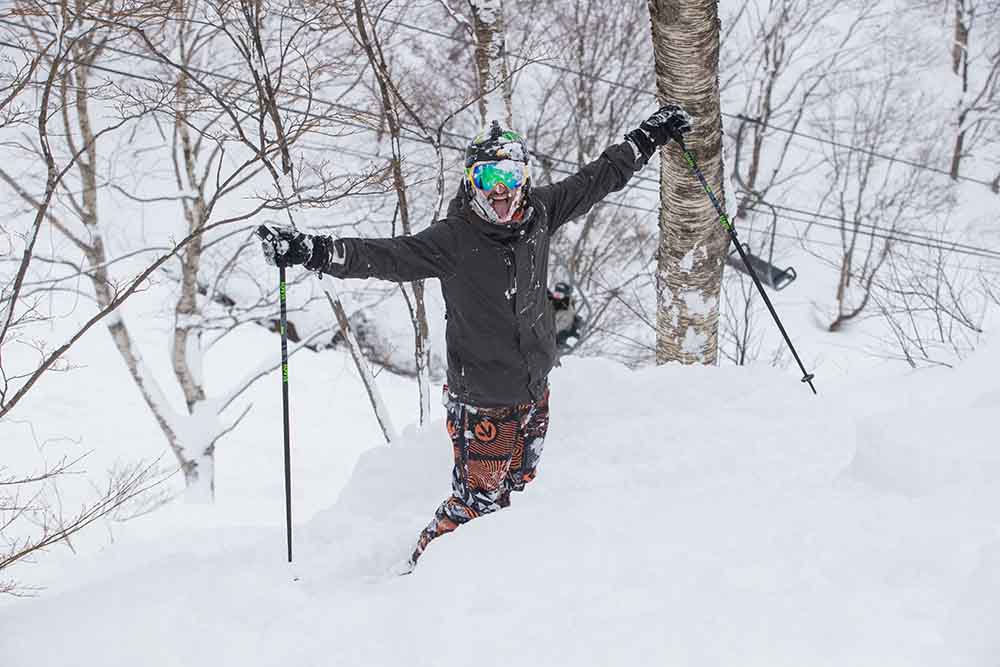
column 685, row 516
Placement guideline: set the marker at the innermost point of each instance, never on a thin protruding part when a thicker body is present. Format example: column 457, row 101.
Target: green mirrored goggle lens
column 488, row 175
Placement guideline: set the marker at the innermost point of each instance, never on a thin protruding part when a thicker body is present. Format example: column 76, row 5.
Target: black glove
column 286, row 246
column 670, row 122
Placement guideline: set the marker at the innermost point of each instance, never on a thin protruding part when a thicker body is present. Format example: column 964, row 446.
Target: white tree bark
column 692, row 242
column 492, row 70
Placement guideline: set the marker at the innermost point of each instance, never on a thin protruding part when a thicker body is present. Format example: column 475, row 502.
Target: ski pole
column 724, row 219
column 265, row 234
column 284, row 407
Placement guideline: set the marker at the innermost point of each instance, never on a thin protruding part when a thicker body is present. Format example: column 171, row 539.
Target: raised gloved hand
column 669, row 122
column 286, row 246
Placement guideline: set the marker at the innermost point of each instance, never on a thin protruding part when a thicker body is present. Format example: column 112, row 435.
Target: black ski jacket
column 500, row 331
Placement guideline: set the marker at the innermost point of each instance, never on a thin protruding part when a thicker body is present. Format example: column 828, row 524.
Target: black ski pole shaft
column 284, row 402
column 724, row 219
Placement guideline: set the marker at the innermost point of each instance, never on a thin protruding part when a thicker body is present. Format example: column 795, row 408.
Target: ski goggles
column 487, row 175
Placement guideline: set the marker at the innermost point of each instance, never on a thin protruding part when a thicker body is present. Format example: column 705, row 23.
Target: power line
column 951, row 245
column 875, row 232
column 615, row 84
column 888, row 237
column 553, row 66
column 740, row 117
column 931, row 243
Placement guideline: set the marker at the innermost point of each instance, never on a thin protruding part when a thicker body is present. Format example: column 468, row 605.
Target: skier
column 491, row 255
column 567, row 322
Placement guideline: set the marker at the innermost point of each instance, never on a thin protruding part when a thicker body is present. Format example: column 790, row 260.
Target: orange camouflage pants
column 496, row 451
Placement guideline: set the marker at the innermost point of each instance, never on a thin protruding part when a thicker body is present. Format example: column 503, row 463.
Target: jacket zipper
column 510, row 259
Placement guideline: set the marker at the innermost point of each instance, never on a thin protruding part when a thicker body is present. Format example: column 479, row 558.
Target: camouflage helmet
column 496, row 143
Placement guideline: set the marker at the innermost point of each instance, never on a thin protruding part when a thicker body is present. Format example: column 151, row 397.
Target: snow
column 487, row 10
column 195, row 358
column 687, row 262
column 113, row 319
column 699, row 304
column 694, row 342
column 682, row 515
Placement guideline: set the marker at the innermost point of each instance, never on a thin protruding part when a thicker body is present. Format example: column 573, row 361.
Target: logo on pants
column 485, row 431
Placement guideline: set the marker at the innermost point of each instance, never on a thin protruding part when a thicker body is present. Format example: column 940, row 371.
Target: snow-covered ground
column 684, row 516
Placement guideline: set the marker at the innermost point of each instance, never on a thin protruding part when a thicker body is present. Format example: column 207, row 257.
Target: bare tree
column 31, row 522
column 876, row 201
column 366, row 33
column 50, row 56
column 978, row 113
column 220, row 144
column 580, row 112
column 785, row 65
column 740, row 338
column 933, row 306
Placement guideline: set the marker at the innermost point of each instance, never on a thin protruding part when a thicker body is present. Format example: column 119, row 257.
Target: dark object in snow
column 724, row 220
column 289, row 330
column 770, row 275
column 271, row 237
column 568, row 323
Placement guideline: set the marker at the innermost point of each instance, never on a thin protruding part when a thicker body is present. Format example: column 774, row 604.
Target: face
column 499, row 186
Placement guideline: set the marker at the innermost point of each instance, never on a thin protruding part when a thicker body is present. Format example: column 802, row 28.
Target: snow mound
column 926, row 452
column 947, row 438
column 681, row 516
column 974, row 625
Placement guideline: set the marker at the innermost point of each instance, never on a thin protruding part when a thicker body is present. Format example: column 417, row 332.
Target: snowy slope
column 685, row 516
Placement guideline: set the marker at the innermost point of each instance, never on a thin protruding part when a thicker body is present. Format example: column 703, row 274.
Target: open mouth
column 501, row 204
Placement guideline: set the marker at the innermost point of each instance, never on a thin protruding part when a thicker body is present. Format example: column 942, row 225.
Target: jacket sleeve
column 576, row 195
column 431, row 253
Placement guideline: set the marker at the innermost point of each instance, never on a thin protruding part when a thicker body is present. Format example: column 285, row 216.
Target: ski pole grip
column 264, row 232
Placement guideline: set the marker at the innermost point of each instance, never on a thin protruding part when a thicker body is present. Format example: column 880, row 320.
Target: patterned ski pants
column 496, row 451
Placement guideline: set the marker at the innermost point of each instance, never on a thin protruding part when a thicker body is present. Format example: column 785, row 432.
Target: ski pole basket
column 775, row 278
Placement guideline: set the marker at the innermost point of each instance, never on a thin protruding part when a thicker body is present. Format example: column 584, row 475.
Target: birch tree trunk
column 492, row 71
column 76, row 91
column 186, row 346
column 960, row 66
column 692, row 242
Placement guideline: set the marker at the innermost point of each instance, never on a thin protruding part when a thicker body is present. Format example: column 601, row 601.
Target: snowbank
column 684, row 516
